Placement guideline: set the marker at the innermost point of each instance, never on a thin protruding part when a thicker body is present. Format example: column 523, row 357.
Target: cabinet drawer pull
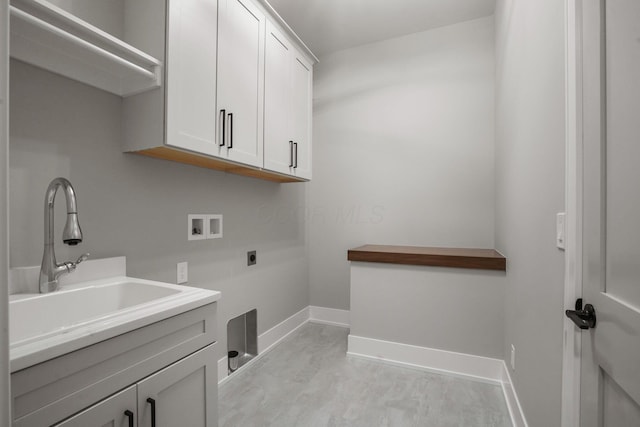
column 290, row 154
column 295, row 144
column 152, row 402
column 223, row 122
column 129, row 415
column 230, row 131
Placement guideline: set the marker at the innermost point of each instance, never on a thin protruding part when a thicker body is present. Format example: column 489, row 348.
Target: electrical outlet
column 183, row 272
column 252, row 258
column 513, row 357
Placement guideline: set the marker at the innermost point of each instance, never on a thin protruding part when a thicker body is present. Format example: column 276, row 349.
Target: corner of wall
column 529, row 183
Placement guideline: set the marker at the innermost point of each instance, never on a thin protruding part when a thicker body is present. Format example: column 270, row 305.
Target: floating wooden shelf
column 46, row 36
column 483, row 259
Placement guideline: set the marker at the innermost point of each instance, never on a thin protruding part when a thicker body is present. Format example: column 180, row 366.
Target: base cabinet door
column 118, row 410
column 184, row 394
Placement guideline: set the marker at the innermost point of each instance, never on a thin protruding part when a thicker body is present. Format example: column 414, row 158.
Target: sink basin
column 43, row 326
column 64, row 310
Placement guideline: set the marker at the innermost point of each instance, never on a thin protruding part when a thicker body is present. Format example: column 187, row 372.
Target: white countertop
column 44, row 326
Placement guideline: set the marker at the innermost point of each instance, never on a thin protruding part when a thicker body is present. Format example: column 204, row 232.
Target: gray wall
column 137, row 206
column 106, row 15
column 403, row 149
column 530, row 126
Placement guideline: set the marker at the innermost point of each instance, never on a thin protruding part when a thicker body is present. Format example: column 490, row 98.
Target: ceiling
column 327, row 26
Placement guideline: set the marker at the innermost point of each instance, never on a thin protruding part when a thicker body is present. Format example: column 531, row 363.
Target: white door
column 240, row 81
column 610, row 379
column 301, row 117
column 191, row 75
column 184, row 394
column 118, row 410
column 278, row 136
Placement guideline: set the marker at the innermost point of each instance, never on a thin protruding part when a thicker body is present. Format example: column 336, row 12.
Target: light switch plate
column 513, row 357
column 561, row 232
column 183, row 272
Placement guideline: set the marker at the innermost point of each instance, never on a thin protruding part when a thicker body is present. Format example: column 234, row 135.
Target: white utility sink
column 43, row 326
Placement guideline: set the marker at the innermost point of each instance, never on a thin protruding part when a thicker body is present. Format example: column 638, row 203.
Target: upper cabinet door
column 191, row 77
column 302, row 81
column 278, row 137
column 240, row 81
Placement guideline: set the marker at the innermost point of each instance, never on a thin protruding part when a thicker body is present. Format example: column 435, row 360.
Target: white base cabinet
column 171, row 362
column 182, row 394
column 117, row 411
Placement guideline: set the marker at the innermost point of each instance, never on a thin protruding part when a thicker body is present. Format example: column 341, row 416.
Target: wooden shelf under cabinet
column 167, row 153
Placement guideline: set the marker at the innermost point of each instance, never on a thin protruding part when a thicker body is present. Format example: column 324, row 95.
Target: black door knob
column 583, row 318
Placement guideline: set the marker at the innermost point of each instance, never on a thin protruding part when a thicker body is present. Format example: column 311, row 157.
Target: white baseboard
column 513, row 403
column 440, row 361
column 329, row 316
column 267, row 340
column 462, row 365
column 279, row 332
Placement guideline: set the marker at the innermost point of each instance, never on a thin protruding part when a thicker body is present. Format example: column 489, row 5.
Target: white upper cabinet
column 302, row 99
column 178, row 118
column 278, row 136
column 214, row 109
column 287, row 125
column 221, row 84
column 191, row 83
column 240, row 80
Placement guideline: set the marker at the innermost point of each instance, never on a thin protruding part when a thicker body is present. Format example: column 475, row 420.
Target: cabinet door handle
column 290, row 154
column 295, row 144
column 223, row 122
column 152, row 402
column 230, row 131
column 129, row 415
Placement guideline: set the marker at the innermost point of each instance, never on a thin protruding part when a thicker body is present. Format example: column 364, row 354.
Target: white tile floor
column 308, row 380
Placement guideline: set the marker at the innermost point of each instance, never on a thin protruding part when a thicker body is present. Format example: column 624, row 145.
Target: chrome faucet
column 50, row 270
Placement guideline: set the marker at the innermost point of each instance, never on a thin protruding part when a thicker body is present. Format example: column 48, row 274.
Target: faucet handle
column 71, row 266
column 82, row 258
